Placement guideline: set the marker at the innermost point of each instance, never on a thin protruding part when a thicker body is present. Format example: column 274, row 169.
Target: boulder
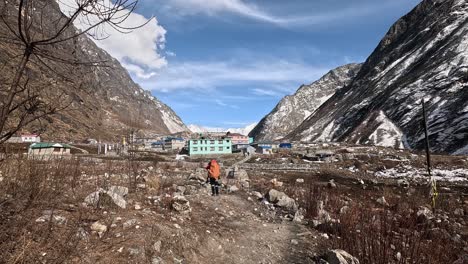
column 115, row 193
column 200, row 175
column 281, row 199
column 300, row 180
column 273, row 196
column 339, row 256
column 233, row 188
column 181, row 204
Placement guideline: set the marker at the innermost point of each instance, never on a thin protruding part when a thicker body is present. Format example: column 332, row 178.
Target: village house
column 210, row 146
column 238, row 139
column 171, row 143
column 158, row 146
column 25, row 138
column 265, row 147
column 49, row 149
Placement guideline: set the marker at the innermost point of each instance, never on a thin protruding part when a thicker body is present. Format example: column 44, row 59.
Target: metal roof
column 44, row 145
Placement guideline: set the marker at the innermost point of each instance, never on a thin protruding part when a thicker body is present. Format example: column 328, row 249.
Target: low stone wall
column 278, row 167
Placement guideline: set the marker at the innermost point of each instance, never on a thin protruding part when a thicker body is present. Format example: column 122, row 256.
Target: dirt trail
column 239, row 230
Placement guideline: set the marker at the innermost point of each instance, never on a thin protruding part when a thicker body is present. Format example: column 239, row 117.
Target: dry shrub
column 377, row 236
column 153, row 183
column 30, row 187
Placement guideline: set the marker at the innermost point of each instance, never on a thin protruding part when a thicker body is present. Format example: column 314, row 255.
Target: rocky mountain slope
column 292, row 110
column 104, row 102
column 423, row 56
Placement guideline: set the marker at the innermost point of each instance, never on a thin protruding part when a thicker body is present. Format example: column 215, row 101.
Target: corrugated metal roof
column 48, row 145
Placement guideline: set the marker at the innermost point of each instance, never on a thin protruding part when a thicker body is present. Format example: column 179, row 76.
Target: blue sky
column 227, row 63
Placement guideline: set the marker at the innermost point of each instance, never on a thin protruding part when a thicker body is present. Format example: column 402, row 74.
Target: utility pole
column 433, row 185
column 426, row 134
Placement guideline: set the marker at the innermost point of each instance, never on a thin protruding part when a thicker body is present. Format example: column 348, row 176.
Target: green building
column 210, row 146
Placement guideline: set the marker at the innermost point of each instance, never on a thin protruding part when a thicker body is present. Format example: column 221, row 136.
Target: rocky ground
column 130, row 211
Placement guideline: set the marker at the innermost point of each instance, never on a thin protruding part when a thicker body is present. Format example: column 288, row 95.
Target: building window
column 206, row 141
column 195, row 149
column 212, row 148
column 220, row 142
column 195, row 142
column 221, row 148
column 228, row 147
column 227, row 141
column 212, row 142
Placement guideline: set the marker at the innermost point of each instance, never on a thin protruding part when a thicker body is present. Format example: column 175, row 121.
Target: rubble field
column 371, row 205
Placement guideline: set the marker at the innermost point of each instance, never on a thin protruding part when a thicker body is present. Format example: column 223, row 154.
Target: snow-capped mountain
column 423, row 56
column 292, row 110
column 200, row 129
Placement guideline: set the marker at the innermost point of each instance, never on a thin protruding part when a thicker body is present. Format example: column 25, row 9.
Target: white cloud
column 310, row 17
column 213, row 7
column 281, row 75
column 139, row 51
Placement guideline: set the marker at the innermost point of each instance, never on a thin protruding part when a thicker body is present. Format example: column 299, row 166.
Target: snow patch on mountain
column 387, row 134
column 200, row 129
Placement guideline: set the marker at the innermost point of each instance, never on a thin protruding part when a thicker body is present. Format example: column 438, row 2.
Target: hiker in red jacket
column 213, row 176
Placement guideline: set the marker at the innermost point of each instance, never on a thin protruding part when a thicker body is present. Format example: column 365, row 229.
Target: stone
column 157, row 246
column 49, row 215
column 331, row 184
column 241, row 175
column 294, row 242
column 135, row 251
column 382, row 201
column 130, row 223
column 424, row 214
column 245, row 184
column 137, row 206
column 276, row 183
column 300, row 180
column 281, row 199
column 344, row 209
column 459, row 212
column 273, row 196
column 403, row 183
column 298, row 216
column 233, row 188
column 157, row 260
column 99, row 228
column 181, row 204
column 200, row 175
column 258, row 195
column 339, row 256
column 116, row 193
column 287, row 203
column 181, row 189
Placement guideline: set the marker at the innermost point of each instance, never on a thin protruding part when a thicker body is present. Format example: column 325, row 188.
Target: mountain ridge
column 424, row 55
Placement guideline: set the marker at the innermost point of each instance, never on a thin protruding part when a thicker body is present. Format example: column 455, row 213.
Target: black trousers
column 214, row 186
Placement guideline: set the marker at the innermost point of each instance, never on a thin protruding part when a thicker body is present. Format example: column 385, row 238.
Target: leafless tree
column 36, row 32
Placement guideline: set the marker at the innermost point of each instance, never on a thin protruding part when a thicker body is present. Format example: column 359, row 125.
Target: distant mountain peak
column 292, row 110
